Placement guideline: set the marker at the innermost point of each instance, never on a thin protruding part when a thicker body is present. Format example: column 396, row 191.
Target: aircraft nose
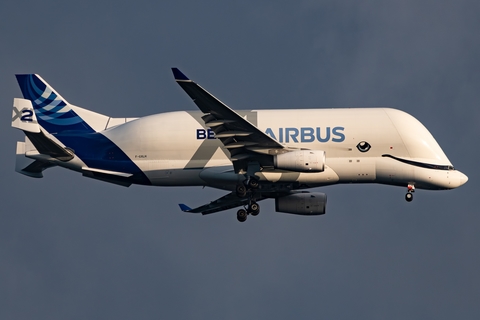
column 463, row 178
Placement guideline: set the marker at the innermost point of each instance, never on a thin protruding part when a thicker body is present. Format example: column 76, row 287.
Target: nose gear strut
column 410, row 191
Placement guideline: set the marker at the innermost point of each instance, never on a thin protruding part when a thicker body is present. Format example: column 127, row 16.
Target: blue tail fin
column 53, row 112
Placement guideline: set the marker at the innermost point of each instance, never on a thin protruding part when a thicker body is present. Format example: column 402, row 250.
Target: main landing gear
column 410, row 191
column 249, row 185
column 247, row 189
column 253, row 208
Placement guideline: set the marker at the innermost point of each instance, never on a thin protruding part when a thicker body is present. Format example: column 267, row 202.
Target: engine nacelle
column 306, row 204
column 301, row 161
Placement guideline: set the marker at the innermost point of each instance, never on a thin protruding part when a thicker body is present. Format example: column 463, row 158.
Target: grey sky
column 76, row 248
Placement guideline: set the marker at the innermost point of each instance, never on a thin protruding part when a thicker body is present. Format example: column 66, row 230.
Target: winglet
column 179, row 76
column 185, row 208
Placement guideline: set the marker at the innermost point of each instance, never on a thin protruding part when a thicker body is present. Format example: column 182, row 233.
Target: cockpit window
column 421, row 164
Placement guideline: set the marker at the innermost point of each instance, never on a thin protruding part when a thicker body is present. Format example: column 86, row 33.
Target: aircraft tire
column 241, row 215
column 409, row 197
column 254, row 209
column 241, row 191
column 253, row 183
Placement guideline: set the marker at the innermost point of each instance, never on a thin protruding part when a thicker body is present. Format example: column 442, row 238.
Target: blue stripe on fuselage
column 99, row 152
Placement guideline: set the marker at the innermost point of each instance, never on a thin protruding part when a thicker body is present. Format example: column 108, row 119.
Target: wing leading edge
column 241, row 138
column 226, row 202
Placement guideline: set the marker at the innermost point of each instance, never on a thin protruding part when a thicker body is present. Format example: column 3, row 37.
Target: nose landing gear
column 410, row 191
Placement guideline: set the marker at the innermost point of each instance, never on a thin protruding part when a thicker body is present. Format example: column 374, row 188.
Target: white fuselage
column 176, row 149
column 255, row 154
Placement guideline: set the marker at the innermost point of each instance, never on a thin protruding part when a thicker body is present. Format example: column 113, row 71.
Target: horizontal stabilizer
column 47, row 146
column 28, row 167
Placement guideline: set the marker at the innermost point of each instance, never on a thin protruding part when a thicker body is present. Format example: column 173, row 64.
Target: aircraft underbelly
column 354, row 169
column 175, row 177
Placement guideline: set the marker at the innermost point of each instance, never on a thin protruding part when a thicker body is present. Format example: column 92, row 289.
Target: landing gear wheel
column 241, row 190
column 253, row 183
column 254, row 209
column 241, row 215
column 409, row 197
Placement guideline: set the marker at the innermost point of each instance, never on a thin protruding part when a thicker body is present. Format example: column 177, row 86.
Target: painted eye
column 363, row 146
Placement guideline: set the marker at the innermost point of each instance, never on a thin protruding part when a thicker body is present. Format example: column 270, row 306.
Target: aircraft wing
column 228, row 201
column 241, row 138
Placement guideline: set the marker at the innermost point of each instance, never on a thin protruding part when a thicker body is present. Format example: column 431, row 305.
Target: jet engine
column 301, row 161
column 306, row 204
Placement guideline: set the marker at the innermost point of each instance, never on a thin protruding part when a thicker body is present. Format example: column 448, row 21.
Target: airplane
column 252, row 154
